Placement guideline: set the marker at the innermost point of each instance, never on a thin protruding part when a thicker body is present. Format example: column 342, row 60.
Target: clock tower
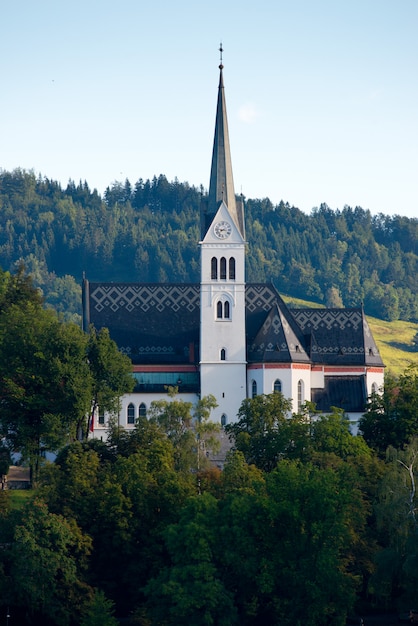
column 222, row 299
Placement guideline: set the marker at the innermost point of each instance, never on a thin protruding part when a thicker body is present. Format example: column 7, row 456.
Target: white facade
column 222, row 316
column 293, row 380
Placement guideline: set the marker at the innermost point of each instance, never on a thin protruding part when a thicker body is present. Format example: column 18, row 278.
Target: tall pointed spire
column 221, row 187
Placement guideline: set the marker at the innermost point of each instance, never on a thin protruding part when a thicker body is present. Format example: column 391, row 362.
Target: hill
column 394, row 340
column 148, row 232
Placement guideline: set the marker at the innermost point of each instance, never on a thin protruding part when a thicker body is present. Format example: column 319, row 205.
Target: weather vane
column 221, row 51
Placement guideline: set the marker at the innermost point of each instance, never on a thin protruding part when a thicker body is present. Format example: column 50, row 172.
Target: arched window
column 214, row 268
column 223, row 354
column 142, row 410
column 223, row 268
column 223, row 310
column 130, row 413
column 254, row 389
column 375, row 388
column 301, row 394
column 232, row 268
column 277, row 386
column 224, row 420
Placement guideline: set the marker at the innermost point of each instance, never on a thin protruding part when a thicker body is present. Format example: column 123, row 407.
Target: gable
column 279, row 340
column 223, row 216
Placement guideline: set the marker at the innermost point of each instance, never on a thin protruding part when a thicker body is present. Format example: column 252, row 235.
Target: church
column 230, row 338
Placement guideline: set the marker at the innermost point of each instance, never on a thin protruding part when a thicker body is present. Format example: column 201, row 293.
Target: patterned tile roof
column 151, row 323
column 338, row 336
column 279, row 340
column 159, row 323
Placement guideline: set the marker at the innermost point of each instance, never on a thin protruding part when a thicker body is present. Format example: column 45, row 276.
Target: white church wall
column 227, row 334
column 290, row 377
column 317, row 378
column 136, row 399
column 265, row 377
column 301, row 385
column 225, row 381
column 374, row 380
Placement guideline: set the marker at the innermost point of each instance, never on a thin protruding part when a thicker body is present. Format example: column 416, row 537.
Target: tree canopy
column 391, row 418
column 52, row 374
column 303, row 531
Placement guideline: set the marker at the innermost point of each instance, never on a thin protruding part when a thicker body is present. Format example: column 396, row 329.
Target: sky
column 322, row 95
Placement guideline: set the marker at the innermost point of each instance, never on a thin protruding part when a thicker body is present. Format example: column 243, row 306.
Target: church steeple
column 221, row 187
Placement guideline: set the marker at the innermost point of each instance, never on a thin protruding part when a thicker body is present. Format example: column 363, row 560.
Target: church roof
column 221, row 187
column 338, row 336
column 279, row 340
column 345, row 392
column 151, row 323
column 159, row 323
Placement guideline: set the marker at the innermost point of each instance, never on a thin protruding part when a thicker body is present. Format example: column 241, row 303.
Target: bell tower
column 222, row 288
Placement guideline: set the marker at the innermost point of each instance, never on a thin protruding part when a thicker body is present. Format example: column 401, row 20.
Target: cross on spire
column 221, row 51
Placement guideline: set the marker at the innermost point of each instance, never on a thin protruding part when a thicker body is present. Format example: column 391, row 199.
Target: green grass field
column 394, row 340
column 18, row 497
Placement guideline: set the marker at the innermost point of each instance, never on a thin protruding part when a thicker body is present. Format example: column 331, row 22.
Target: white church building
column 227, row 337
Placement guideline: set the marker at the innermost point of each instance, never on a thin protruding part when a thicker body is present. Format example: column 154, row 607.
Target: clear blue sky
column 322, row 95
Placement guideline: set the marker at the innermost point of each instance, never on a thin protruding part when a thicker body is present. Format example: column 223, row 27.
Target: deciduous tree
column 391, row 418
column 262, row 430
column 111, row 374
column 47, row 556
column 45, row 381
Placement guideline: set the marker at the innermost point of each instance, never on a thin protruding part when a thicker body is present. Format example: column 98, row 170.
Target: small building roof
column 345, row 392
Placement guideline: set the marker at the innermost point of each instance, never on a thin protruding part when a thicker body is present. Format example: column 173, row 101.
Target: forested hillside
column 148, row 231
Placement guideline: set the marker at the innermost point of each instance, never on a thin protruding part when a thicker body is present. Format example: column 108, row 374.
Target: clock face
column 222, row 230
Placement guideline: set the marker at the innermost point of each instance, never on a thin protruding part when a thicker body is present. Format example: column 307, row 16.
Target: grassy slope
column 19, row 497
column 394, row 339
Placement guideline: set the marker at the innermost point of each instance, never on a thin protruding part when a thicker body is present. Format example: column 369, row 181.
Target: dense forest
column 306, row 524
column 148, row 232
